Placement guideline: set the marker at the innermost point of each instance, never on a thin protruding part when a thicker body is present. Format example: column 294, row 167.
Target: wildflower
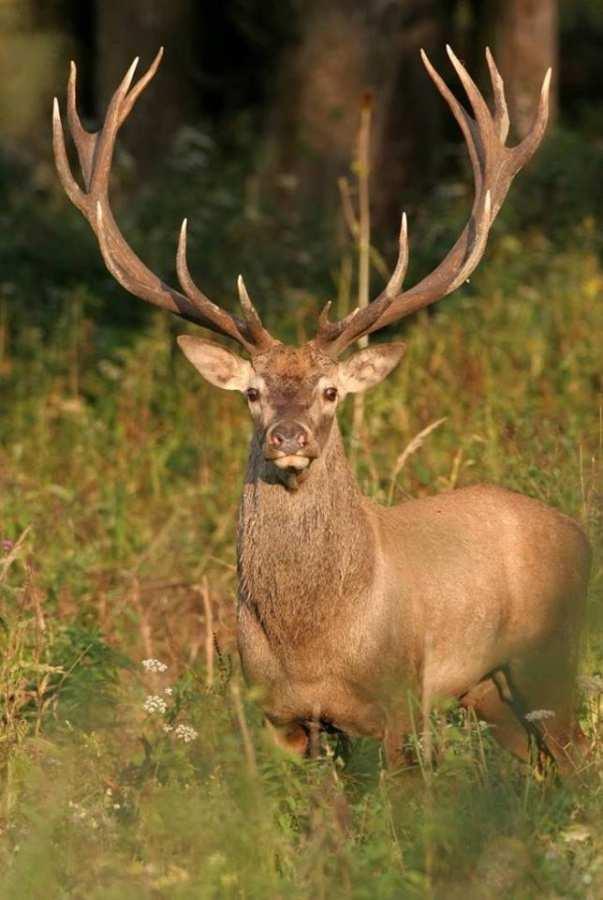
column 168, row 728
column 153, row 665
column 7, row 546
column 169, row 691
column 538, row 714
column 185, row 733
column 154, row 704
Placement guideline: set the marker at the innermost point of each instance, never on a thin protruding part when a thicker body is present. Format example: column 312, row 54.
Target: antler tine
column 84, row 142
column 501, row 113
column 483, row 116
column 524, row 151
column 260, row 337
column 95, row 154
column 140, row 85
column 206, row 307
column 326, row 330
column 333, row 337
column 105, row 139
column 397, row 277
column 70, row 185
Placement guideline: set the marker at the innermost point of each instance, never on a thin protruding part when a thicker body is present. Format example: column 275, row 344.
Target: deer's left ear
column 217, row 364
column 368, row 367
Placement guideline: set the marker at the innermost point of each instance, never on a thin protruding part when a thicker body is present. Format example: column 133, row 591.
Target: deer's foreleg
column 397, row 748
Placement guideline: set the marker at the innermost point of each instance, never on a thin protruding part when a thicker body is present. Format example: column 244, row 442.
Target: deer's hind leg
column 491, row 704
column 543, row 687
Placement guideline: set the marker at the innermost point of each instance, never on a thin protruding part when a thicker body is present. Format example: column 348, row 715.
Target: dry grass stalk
column 13, row 554
column 209, row 634
column 364, row 243
column 364, row 234
column 248, row 747
column 144, row 625
column 427, row 747
column 415, row 444
column 351, row 221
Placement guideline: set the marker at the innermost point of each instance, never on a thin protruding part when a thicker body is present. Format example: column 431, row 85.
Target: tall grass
column 119, row 478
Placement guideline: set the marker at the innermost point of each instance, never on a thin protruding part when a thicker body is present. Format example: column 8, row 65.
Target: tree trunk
column 133, row 28
column 344, row 50
column 526, row 44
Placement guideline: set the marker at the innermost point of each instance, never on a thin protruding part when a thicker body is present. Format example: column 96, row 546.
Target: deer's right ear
column 217, row 365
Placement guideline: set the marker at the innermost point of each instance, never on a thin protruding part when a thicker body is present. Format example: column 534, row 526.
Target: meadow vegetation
column 119, row 477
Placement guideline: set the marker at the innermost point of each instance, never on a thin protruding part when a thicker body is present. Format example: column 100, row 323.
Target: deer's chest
column 335, row 676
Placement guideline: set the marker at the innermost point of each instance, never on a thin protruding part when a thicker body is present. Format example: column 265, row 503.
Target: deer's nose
column 287, row 436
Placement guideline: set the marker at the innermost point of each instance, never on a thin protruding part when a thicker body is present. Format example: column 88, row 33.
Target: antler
column 95, row 154
column 494, row 167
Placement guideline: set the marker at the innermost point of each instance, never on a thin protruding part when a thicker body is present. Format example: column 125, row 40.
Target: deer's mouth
column 292, row 469
column 292, row 461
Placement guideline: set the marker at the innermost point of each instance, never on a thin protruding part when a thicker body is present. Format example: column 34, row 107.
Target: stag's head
column 293, row 393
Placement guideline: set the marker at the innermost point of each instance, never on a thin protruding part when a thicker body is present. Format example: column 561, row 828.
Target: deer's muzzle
column 290, row 444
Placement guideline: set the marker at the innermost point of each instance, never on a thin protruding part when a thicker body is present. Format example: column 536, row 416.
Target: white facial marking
column 291, row 462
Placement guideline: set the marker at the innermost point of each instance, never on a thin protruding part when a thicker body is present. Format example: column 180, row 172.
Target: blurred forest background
column 120, row 470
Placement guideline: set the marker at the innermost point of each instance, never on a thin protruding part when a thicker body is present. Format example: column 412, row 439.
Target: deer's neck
column 303, row 555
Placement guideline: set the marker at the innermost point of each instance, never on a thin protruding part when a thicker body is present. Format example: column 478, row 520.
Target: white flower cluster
column 537, row 715
column 185, row 733
column 154, row 704
column 153, row 665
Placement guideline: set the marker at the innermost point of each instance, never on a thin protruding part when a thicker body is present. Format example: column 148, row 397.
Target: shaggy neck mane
column 303, row 555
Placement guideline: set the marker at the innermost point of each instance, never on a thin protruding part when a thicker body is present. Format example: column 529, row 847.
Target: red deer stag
column 346, row 607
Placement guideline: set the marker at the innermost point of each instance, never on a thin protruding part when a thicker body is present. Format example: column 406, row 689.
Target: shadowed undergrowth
column 119, row 476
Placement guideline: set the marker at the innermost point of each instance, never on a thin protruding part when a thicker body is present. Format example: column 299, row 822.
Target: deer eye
column 252, row 394
column 330, row 394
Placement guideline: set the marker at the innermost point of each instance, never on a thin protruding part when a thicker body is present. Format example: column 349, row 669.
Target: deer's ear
column 217, row 365
column 368, row 367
